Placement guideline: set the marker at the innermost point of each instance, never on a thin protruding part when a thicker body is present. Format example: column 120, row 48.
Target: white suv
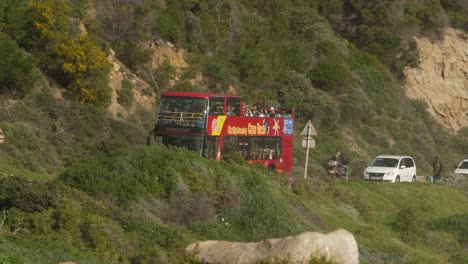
column 391, row 168
column 462, row 168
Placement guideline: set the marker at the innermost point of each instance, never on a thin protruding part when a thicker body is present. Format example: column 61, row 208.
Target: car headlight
column 389, row 173
column 366, row 173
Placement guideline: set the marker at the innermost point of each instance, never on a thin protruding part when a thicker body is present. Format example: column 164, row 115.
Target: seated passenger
column 232, row 111
column 271, row 111
column 248, row 112
column 263, row 113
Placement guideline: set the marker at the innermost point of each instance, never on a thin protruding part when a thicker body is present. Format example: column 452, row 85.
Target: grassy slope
column 196, row 200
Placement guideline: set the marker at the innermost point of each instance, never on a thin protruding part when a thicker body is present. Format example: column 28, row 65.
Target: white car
column 462, row 168
column 391, row 168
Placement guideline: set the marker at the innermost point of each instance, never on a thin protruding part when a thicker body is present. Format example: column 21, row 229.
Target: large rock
column 338, row 246
column 441, row 79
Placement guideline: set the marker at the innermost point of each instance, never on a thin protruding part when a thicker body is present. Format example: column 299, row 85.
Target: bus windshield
column 182, row 111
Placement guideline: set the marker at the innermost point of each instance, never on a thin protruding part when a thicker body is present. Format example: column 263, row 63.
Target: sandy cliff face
column 441, row 80
column 143, row 95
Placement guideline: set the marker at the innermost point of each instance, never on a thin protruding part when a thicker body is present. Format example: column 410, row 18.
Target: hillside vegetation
column 137, row 207
column 76, row 184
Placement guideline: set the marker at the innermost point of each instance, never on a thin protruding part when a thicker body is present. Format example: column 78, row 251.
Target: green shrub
column 132, row 55
column 456, row 225
column 47, row 24
column 18, row 74
column 27, row 196
column 185, row 86
column 125, row 94
column 216, row 70
column 408, row 226
column 296, row 92
column 458, row 259
column 13, row 19
column 103, row 236
column 331, row 76
column 5, row 259
column 126, row 177
column 169, row 27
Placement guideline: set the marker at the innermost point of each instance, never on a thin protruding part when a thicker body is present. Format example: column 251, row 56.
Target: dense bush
column 13, row 18
column 296, row 92
column 18, row 73
column 125, row 177
column 331, row 76
column 408, row 225
column 456, row 10
column 27, row 196
column 47, row 24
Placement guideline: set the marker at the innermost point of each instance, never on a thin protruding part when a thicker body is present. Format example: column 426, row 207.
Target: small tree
column 48, row 23
column 85, row 70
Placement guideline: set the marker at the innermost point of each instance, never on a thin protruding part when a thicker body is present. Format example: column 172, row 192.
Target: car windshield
column 463, row 165
column 385, row 162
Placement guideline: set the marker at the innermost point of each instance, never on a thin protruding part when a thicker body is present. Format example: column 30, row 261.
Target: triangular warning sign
column 309, row 129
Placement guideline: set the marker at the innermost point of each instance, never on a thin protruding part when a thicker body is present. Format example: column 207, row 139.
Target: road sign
column 308, row 143
column 2, row 136
column 309, row 130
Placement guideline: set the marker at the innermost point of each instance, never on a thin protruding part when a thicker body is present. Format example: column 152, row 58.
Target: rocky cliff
column 441, row 79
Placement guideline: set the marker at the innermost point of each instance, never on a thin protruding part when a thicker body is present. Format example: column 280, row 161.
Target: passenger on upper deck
column 248, row 112
column 233, row 111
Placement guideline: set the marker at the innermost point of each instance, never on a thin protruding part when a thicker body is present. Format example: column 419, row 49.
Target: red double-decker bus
column 215, row 124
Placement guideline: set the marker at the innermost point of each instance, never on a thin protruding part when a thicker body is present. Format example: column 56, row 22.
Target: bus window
column 233, row 107
column 182, row 111
column 243, row 146
column 265, row 148
column 240, row 145
column 229, row 145
column 272, row 148
column 216, row 106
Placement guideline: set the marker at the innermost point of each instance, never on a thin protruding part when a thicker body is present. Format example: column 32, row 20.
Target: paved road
column 421, row 178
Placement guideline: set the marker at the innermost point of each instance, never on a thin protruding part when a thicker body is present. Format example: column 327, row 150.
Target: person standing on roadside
column 437, row 169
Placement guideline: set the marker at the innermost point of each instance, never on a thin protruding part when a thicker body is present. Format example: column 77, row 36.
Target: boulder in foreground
column 338, row 247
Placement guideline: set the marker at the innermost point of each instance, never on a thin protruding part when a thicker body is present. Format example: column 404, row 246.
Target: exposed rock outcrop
column 143, row 95
column 338, row 246
column 161, row 52
column 441, row 79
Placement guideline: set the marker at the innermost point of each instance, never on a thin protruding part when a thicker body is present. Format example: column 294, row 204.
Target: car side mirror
column 402, row 167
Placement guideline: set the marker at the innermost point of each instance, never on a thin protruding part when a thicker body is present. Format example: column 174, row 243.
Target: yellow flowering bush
column 86, row 69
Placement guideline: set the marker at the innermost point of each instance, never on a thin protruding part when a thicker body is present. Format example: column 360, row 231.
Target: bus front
column 181, row 120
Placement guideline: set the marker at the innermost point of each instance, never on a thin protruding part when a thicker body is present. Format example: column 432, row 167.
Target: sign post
column 308, row 142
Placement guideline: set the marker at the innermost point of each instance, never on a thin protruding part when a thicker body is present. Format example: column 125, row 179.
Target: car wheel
column 413, row 179
column 397, row 179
